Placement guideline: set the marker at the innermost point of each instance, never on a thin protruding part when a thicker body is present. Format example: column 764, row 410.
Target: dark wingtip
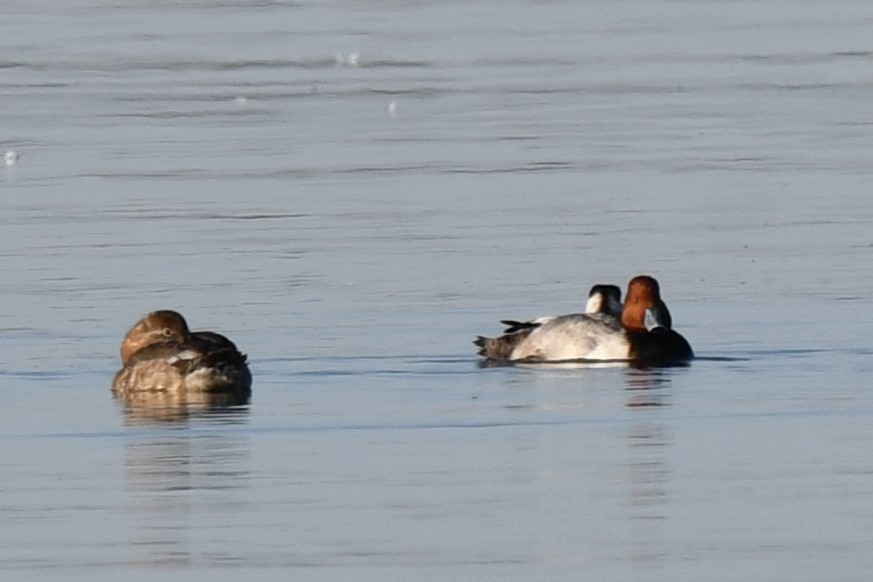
column 517, row 326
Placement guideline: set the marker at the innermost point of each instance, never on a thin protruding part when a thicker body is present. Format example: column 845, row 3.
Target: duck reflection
column 143, row 408
column 648, row 442
column 647, row 387
column 185, row 469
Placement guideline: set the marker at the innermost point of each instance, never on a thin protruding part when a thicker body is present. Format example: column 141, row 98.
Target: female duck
column 600, row 336
column 160, row 354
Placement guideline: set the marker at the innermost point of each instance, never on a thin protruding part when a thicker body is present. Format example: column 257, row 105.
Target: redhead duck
column 642, row 334
column 160, row 354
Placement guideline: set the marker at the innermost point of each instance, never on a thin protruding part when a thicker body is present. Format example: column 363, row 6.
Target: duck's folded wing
column 574, row 337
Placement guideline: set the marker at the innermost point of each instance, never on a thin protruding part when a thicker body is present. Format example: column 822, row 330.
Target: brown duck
column 160, row 354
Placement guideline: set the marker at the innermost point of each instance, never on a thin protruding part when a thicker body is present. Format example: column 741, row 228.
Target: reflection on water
column 179, row 480
column 150, row 407
column 648, row 474
column 649, row 477
column 562, row 365
column 647, row 387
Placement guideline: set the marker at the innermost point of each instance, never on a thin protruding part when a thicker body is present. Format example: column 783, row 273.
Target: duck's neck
column 633, row 317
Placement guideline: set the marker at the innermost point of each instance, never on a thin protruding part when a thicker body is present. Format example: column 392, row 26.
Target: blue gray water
column 352, row 191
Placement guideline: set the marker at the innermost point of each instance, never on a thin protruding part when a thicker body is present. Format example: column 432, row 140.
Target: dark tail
column 499, row 348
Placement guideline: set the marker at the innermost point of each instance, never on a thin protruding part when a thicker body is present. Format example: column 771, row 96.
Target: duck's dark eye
column 167, row 332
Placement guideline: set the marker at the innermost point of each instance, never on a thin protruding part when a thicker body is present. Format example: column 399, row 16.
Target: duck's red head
column 643, row 293
column 156, row 327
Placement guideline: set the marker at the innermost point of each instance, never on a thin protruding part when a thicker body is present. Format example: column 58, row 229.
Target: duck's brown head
column 156, row 327
column 643, row 293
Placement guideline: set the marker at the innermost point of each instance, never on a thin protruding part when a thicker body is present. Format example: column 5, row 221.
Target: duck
column 160, row 354
column 641, row 333
column 601, row 299
column 604, row 300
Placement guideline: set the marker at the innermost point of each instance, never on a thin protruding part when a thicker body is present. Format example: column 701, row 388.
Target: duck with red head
column 649, row 326
column 160, row 354
column 601, row 336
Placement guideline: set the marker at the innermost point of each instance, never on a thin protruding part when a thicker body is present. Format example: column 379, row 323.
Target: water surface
column 352, row 192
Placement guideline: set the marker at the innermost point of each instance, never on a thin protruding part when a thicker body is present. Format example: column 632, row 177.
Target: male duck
column 641, row 333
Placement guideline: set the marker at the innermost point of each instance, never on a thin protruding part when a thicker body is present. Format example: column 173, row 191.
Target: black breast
column 660, row 347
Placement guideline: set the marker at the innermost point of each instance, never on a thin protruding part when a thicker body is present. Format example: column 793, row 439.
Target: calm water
column 352, row 191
